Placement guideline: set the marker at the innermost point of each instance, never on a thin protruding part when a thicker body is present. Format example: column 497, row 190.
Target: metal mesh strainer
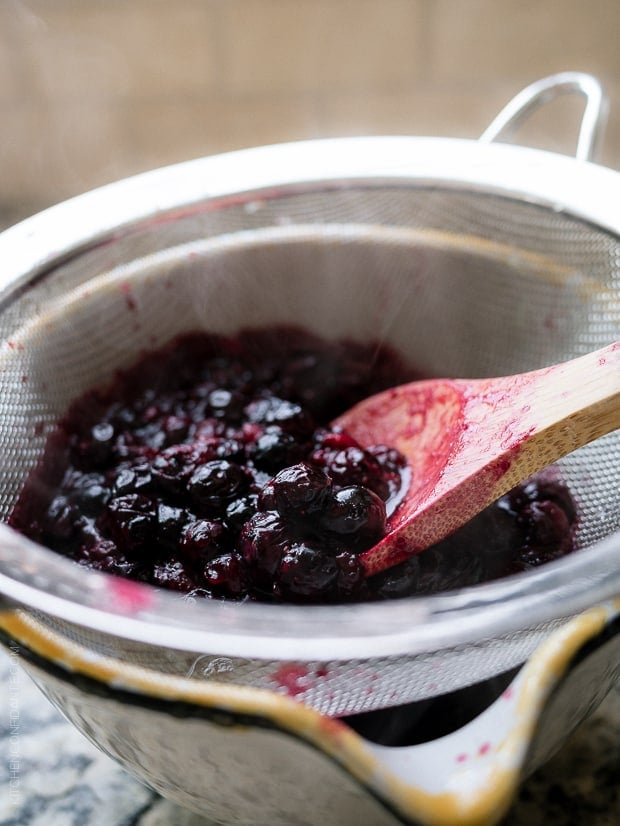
column 472, row 260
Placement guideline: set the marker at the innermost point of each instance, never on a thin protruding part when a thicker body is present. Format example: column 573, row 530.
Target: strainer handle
column 542, row 91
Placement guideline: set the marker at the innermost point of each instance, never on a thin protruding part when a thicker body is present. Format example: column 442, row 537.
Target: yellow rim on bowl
column 503, row 765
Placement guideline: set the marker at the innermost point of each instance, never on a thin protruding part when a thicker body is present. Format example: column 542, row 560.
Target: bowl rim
column 30, row 575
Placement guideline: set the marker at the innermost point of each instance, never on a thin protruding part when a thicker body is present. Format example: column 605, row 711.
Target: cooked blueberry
column 225, row 404
column 397, row 582
column 351, row 573
column 174, row 575
column 300, row 490
column 171, row 521
column 231, row 449
column 239, row 511
column 263, row 542
column 102, row 441
column 105, row 556
column 96, row 448
column 173, row 467
column 307, row 574
column 287, row 415
column 545, row 523
column 59, row 521
column 101, row 549
column 356, row 514
column 541, row 489
column 213, row 485
column 175, row 429
column 137, row 479
column 393, row 467
column 207, row 428
column 125, row 481
column 121, row 416
column 352, row 466
column 447, row 568
column 388, row 457
column 90, row 493
column 267, row 497
column 481, row 549
column 334, row 440
column 225, row 576
column 220, row 399
column 132, row 521
column 202, row 539
column 275, row 449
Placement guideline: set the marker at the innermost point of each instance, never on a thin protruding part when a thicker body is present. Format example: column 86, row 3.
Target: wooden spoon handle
column 538, row 417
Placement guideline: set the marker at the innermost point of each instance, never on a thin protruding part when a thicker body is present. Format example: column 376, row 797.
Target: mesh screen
column 333, row 687
column 462, row 283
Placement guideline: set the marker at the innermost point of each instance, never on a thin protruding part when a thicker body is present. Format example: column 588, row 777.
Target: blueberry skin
column 357, row 515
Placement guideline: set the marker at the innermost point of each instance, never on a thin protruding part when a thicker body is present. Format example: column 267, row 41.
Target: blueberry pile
column 210, row 468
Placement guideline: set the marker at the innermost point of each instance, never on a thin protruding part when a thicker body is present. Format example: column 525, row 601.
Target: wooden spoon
column 470, row 441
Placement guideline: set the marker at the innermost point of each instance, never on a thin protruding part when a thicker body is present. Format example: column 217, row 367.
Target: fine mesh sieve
column 469, row 260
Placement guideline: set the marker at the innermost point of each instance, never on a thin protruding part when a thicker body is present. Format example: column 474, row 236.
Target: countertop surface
column 50, row 775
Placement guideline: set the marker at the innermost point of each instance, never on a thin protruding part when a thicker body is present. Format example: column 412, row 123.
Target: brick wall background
column 94, row 90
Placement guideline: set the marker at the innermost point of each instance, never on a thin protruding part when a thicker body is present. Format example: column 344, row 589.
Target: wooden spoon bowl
column 470, row 441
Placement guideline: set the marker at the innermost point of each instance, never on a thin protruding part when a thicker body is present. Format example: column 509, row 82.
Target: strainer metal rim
column 562, row 183
column 38, row 578
column 35, row 577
